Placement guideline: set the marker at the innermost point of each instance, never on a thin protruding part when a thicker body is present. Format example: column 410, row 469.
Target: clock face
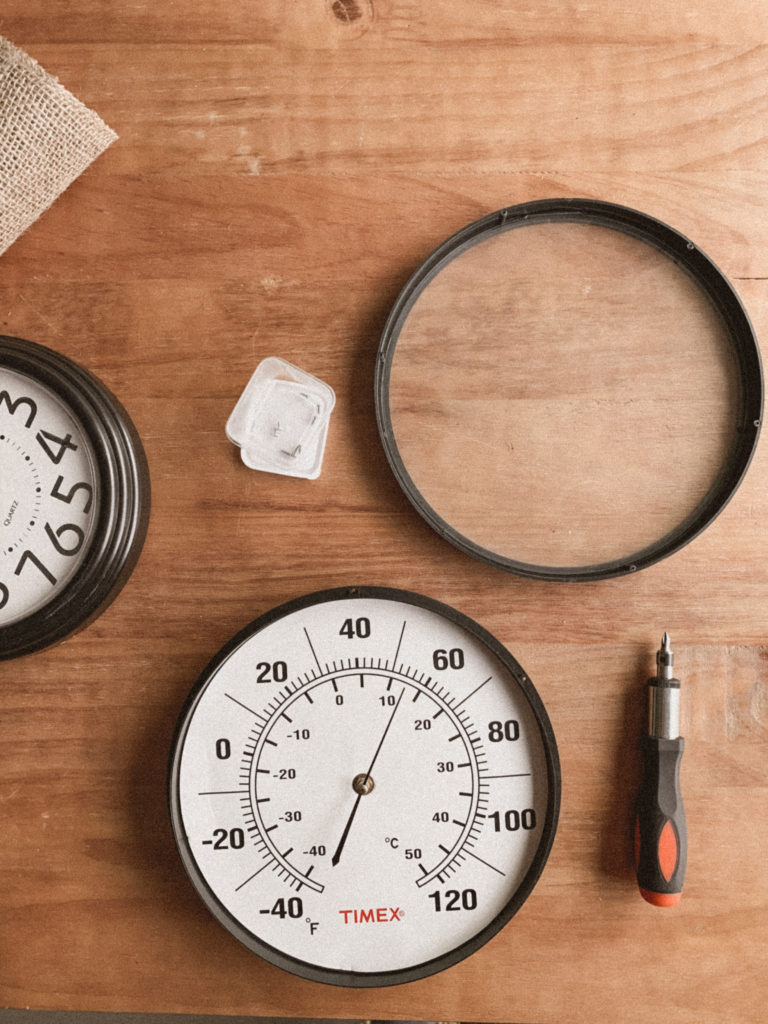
column 49, row 495
column 74, row 497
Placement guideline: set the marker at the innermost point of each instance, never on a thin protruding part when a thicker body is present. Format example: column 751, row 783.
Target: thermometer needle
column 362, row 788
column 660, row 833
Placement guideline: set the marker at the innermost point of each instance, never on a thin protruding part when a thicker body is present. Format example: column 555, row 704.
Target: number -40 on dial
column 364, row 786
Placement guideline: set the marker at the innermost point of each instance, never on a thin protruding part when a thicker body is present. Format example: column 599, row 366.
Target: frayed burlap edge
column 47, row 138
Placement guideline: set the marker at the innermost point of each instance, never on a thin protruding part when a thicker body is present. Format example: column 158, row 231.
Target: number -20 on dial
column 364, row 786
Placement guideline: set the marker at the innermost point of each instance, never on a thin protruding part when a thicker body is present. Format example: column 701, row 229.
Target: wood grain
column 563, row 395
column 280, row 172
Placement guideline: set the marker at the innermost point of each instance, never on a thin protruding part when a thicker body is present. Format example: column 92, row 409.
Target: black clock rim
column 360, row 979
column 711, row 281
column 124, row 498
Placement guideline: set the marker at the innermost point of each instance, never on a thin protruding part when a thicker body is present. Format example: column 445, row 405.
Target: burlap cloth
column 47, row 138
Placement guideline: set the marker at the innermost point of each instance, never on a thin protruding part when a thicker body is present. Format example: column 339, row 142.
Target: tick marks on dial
column 474, row 691
column 250, row 879
column 514, row 775
column 491, row 866
column 244, row 706
column 314, row 652
column 344, row 680
column 20, row 494
column 399, row 643
column 222, row 792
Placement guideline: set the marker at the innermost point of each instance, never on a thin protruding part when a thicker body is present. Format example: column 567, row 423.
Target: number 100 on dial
column 364, row 786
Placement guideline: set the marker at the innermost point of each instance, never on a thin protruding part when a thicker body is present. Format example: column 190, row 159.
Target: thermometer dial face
column 364, row 786
column 74, row 497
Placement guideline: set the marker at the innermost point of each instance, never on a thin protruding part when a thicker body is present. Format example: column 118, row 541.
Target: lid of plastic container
column 281, row 420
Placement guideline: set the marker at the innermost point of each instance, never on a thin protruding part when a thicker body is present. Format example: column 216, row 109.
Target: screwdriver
column 660, row 835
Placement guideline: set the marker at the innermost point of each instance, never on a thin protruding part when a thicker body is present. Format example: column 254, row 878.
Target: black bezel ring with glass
column 707, row 277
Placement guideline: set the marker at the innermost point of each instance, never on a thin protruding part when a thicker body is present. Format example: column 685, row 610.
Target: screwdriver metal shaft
column 660, row 831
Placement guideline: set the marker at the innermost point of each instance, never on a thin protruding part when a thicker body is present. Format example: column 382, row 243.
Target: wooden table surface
column 281, row 170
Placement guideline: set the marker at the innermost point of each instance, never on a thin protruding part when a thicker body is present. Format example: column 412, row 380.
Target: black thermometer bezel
column 124, row 498
column 711, row 281
column 359, row 979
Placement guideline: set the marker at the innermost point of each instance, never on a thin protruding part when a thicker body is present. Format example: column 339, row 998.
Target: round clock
column 74, row 497
column 364, row 786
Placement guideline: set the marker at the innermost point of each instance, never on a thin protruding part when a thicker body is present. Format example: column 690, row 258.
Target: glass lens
column 563, row 394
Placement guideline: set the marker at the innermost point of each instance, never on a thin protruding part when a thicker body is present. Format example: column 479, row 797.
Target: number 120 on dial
column 364, row 786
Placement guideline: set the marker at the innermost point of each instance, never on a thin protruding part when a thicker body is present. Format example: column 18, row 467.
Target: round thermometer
column 74, row 497
column 364, row 786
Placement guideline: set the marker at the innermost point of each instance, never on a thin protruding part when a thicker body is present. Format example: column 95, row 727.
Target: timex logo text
column 372, row 915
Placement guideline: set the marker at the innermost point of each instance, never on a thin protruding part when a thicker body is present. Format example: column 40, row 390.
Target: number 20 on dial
column 364, row 786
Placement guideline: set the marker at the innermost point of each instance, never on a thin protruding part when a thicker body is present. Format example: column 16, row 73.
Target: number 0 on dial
column 364, row 786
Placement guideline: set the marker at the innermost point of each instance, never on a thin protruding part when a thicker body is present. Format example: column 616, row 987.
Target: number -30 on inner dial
column 364, row 786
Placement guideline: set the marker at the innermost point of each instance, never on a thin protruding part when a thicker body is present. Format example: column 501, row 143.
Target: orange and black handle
column 660, row 832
